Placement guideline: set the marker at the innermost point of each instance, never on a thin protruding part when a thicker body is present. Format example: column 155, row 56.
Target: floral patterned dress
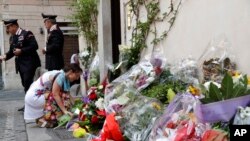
column 39, row 100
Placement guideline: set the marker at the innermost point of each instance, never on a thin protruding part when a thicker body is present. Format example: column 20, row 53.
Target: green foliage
column 143, row 28
column 228, row 90
column 77, row 105
column 160, row 88
column 221, row 126
column 63, row 120
column 85, row 18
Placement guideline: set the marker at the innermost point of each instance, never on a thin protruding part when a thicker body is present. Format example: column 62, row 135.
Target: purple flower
column 85, row 75
column 117, row 107
column 156, row 62
column 86, row 100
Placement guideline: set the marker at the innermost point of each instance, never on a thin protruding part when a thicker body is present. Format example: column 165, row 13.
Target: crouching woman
column 48, row 97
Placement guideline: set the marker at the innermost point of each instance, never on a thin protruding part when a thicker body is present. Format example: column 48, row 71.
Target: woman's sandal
column 43, row 123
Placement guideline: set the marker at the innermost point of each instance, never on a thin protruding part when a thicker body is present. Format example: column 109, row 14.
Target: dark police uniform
column 54, row 49
column 54, row 46
column 27, row 62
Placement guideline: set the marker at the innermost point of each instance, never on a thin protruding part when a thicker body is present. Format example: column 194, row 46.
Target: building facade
column 196, row 25
column 28, row 13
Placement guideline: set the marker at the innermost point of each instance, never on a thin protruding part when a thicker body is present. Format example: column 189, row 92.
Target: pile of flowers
column 92, row 114
column 90, row 110
column 119, row 92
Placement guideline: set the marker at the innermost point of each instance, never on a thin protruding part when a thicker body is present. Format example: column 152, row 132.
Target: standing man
column 23, row 46
column 54, row 45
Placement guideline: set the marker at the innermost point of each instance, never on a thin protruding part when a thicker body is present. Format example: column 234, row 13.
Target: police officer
column 23, row 46
column 54, row 45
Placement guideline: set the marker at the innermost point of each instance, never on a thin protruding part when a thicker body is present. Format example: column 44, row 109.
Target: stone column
column 104, row 36
column 82, row 46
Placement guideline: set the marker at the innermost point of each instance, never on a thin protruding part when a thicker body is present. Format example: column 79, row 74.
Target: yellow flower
column 193, row 90
column 236, row 74
column 156, row 106
column 248, row 80
column 79, row 132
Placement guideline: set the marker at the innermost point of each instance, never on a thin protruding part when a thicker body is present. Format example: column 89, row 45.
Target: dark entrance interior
column 71, row 46
column 116, row 29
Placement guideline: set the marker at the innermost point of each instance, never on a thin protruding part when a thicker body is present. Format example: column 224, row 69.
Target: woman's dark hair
column 74, row 67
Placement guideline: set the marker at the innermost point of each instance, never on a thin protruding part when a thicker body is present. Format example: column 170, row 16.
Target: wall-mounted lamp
column 41, row 30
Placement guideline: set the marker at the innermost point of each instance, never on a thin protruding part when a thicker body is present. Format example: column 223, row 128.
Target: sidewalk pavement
column 13, row 126
column 45, row 134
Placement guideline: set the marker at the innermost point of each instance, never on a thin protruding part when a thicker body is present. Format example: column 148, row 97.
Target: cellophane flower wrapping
column 216, row 59
column 137, row 118
column 117, row 96
column 242, row 116
column 186, row 70
column 178, row 121
column 94, row 73
column 136, row 79
column 123, row 56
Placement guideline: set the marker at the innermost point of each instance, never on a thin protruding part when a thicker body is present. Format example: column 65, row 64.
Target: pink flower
column 48, row 108
column 52, row 117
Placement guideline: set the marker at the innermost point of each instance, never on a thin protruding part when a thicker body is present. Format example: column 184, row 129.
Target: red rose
column 101, row 112
column 158, row 70
column 94, row 119
column 93, row 96
column 81, row 116
column 171, row 125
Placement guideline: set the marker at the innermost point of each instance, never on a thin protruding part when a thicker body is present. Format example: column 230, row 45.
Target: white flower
column 152, row 74
column 100, row 103
column 150, row 79
column 84, row 111
column 123, row 48
column 207, row 84
column 100, row 87
column 90, row 113
column 84, row 54
column 237, row 78
column 244, row 112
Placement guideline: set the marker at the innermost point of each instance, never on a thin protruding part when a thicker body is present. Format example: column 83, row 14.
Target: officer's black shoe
column 21, row 109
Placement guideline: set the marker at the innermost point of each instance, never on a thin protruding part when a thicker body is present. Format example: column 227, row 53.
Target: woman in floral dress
column 48, row 97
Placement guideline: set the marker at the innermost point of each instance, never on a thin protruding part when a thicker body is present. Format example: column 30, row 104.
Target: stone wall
column 198, row 22
column 28, row 13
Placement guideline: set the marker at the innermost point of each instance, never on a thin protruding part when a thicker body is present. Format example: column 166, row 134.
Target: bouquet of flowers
column 178, row 122
column 117, row 97
column 216, row 60
column 186, row 70
column 165, row 87
column 85, row 57
column 121, row 90
column 137, row 118
column 124, row 56
column 225, row 98
column 90, row 109
column 134, row 122
column 94, row 74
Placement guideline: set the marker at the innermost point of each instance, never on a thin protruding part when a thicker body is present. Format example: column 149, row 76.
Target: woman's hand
column 69, row 113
